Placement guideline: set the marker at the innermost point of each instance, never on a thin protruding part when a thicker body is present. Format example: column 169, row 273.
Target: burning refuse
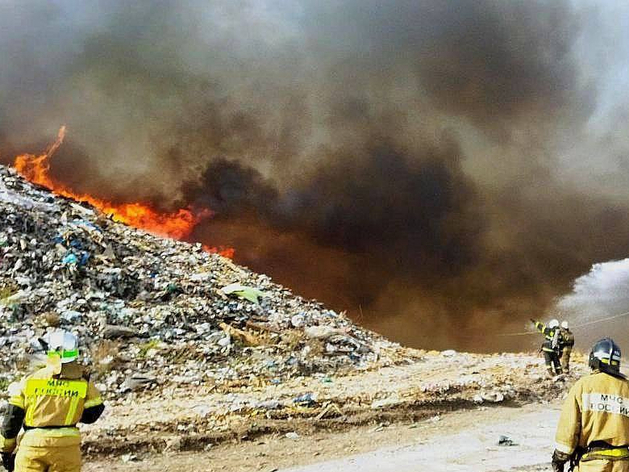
column 177, row 225
column 418, row 168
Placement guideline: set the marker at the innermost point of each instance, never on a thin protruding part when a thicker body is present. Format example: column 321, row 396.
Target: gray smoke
column 598, row 304
column 434, row 167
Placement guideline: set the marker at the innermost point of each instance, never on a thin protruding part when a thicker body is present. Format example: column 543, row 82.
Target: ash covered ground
column 187, row 360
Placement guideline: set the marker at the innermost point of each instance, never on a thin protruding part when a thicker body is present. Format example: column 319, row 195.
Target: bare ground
column 398, row 406
column 461, row 440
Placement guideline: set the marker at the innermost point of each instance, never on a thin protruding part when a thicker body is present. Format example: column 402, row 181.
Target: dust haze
column 441, row 170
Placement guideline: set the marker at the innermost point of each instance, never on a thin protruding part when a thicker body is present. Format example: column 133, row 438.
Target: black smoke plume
column 440, row 169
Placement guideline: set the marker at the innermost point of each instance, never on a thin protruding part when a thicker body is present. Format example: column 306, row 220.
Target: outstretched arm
column 539, row 326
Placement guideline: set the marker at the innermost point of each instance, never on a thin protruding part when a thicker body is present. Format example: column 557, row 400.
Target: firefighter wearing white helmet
column 550, row 346
column 593, row 429
column 48, row 404
column 566, row 343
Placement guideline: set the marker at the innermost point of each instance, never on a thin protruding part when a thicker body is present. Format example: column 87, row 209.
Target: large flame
column 178, row 224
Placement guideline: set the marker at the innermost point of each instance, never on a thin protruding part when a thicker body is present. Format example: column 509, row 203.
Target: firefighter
column 550, row 346
column 593, row 429
column 48, row 404
column 566, row 343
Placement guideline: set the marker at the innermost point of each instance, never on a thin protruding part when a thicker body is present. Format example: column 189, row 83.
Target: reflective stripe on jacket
column 57, row 437
column 54, row 397
column 55, row 400
column 596, row 409
column 550, row 335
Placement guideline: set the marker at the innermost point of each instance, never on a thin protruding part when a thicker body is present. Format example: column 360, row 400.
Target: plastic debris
column 242, row 291
column 306, row 399
column 506, row 441
column 153, row 312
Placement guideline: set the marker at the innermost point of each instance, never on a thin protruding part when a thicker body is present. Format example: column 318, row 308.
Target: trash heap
column 152, row 311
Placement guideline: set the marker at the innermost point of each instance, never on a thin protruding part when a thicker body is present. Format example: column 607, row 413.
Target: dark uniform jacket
column 567, row 338
column 551, row 337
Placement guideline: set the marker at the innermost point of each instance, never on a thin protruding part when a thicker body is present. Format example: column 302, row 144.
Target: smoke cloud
column 441, row 170
column 598, row 304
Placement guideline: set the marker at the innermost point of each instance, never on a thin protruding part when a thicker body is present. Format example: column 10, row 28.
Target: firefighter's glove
column 559, row 460
column 8, row 461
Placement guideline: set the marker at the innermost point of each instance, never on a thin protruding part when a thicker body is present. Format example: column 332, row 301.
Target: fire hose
column 578, row 326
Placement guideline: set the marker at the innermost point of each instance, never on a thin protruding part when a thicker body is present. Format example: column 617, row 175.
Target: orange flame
column 228, row 252
column 178, row 225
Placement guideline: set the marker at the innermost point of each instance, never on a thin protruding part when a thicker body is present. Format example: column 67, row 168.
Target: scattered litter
column 152, row 312
column 385, row 402
column 129, row 458
column 322, row 332
column 378, row 428
column 113, row 332
column 242, row 291
column 307, row 399
column 492, row 397
column 159, row 318
column 137, row 381
column 329, row 411
column 506, row 441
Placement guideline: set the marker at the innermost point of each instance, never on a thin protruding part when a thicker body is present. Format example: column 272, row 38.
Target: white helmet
column 62, row 344
column 564, row 324
column 553, row 323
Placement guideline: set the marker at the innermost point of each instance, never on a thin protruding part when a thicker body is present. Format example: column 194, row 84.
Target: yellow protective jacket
column 49, row 403
column 596, row 409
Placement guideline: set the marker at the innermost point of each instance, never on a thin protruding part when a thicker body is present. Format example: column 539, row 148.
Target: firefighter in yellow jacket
column 48, row 404
column 593, row 429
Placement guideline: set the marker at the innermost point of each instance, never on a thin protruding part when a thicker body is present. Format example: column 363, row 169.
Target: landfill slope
column 191, row 350
column 153, row 311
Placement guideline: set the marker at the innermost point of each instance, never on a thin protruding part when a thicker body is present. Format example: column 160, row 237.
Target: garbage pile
column 153, row 311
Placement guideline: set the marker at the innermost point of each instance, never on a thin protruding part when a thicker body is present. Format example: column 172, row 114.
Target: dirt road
column 459, row 441
column 191, row 418
column 473, row 448
column 442, row 411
